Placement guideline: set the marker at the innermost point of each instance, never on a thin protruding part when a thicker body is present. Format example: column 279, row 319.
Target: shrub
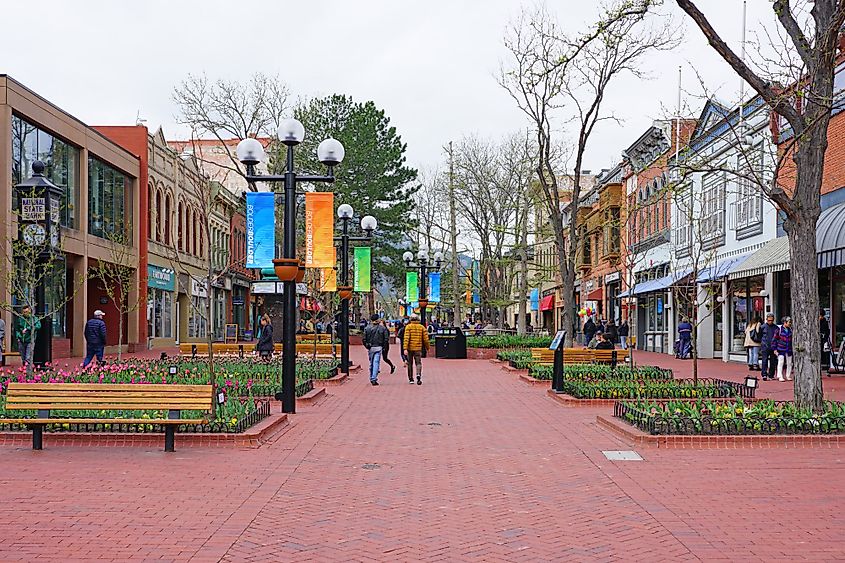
column 508, row 341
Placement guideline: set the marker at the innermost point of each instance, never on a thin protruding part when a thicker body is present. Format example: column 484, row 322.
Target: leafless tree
column 805, row 103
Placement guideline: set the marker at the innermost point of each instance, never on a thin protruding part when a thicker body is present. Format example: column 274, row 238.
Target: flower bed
column 513, row 354
column 508, row 341
column 591, row 372
column 765, row 417
column 654, row 389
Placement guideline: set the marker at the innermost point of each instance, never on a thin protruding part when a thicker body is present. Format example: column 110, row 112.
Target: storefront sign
column 33, row 209
column 319, row 230
column 198, row 289
column 615, row 276
column 161, row 278
column 237, row 300
column 263, row 287
column 363, row 256
column 260, row 229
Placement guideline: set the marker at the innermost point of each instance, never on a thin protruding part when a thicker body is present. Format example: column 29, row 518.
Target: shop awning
column 547, row 303
column 830, row 237
column 658, row 284
column 596, row 295
column 721, row 268
column 771, row 257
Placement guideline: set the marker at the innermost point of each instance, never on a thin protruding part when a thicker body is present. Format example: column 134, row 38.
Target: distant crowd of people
column 605, row 334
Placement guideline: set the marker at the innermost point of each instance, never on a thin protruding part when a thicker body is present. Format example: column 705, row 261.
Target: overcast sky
column 430, row 64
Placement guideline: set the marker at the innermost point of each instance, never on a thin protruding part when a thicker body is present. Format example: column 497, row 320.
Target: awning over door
column 721, row 268
column 548, row 303
column 596, row 295
column 658, row 284
column 771, row 257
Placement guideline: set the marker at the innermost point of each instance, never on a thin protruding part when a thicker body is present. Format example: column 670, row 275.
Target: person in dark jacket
column 768, row 359
column 589, row 331
column 604, row 342
column 265, row 344
column 375, row 340
column 95, row 338
column 782, row 344
column 623, row 335
column 824, row 334
column 386, row 349
column 400, row 335
column 611, row 333
column 685, row 337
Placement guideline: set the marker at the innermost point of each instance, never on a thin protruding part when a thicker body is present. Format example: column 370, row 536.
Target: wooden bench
column 8, row 355
column 544, row 356
column 322, row 349
column 606, row 356
column 319, row 337
column 45, row 397
column 201, row 348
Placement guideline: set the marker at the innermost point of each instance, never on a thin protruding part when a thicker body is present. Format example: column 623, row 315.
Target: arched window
column 168, row 210
column 149, row 211
column 195, row 241
column 158, row 215
column 181, row 219
column 189, row 229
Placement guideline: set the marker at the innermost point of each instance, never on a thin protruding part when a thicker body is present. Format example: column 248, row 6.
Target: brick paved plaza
column 473, row 465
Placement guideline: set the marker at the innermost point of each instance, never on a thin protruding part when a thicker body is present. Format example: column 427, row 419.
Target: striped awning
column 771, row 257
column 830, row 237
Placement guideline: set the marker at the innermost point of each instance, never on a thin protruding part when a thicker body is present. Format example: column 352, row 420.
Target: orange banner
column 328, row 279
column 319, row 230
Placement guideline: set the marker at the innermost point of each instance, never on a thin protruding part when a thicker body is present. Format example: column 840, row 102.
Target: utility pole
column 453, row 226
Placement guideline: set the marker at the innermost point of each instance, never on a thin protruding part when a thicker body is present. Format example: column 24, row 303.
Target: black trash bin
column 451, row 344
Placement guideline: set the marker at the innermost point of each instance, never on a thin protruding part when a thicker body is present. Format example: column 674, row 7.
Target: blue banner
column 260, row 229
column 434, row 287
column 476, row 281
column 535, row 299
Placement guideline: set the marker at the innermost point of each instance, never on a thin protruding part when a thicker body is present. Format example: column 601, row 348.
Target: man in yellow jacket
column 414, row 342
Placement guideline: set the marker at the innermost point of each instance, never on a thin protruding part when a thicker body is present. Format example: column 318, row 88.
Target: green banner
column 363, row 256
column 412, row 293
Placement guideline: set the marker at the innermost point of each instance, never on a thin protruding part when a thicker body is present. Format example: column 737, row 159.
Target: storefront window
column 838, row 312
column 784, row 308
column 109, row 209
column 746, row 306
column 160, row 313
column 29, row 143
column 197, row 321
column 219, row 313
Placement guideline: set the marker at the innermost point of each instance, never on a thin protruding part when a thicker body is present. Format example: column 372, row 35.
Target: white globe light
column 330, row 152
column 250, row 151
column 369, row 223
column 438, row 256
column 345, row 211
column 422, row 254
column 291, row 132
column 408, row 256
column 423, row 247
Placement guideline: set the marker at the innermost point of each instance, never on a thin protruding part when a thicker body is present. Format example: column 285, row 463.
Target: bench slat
column 111, row 406
column 101, row 421
column 129, row 387
column 77, row 393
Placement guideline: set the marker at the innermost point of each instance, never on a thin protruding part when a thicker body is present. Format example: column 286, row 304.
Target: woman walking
column 265, row 339
column 783, row 349
column 386, row 348
column 753, row 337
column 623, row 335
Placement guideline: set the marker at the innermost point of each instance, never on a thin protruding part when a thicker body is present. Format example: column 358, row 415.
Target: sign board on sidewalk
column 557, row 340
column 232, row 333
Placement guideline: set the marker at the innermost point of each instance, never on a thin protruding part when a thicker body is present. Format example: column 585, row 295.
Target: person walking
column 685, row 338
column 824, row 337
column 265, row 344
column 783, row 349
column 375, row 340
column 589, row 331
column 768, row 358
column 611, row 332
column 26, row 331
column 95, row 338
column 752, row 344
column 623, row 335
column 386, row 349
column 416, row 342
column 400, row 336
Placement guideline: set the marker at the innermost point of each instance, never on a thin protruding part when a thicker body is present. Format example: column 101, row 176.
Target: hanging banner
column 476, row 281
column 412, row 294
column 319, row 230
column 535, row 299
column 363, row 255
column 434, row 287
column 260, row 229
column 328, row 279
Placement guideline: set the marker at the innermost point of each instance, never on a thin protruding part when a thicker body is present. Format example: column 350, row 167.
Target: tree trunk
column 567, row 275
column 523, row 278
column 119, row 335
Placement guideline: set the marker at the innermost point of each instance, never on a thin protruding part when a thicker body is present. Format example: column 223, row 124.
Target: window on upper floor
column 682, row 226
column 713, row 209
column 749, row 199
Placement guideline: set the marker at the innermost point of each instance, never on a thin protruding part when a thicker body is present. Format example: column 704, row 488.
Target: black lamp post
column 368, row 225
column 250, row 152
column 423, row 266
column 39, row 229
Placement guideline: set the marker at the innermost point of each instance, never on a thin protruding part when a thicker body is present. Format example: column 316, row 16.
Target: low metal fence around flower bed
column 765, row 417
column 655, row 389
column 591, row 372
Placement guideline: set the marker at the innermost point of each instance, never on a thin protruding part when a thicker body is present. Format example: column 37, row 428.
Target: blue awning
column 720, row 269
column 658, row 284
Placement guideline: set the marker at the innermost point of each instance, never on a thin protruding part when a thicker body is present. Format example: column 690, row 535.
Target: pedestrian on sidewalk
column 604, row 343
column 400, row 336
column 375, row 339
column 768, row 358
column 386, row 349
column 611, row 332
column 265, row 344
column 26, row 331
column 824, row 334
column 753, row 337
column 685, row 338
column 623, row 335
column 783, row 349
column 95, row 339
column 589, row 331
column 415, row 341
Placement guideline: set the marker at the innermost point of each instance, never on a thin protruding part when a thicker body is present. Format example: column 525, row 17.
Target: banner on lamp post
column 434, row 287
column 363, row 255
column 260, row 229
column 535, row 299
column 412, row 294
column 476, row 281
column 328, row 279
column 319, row 230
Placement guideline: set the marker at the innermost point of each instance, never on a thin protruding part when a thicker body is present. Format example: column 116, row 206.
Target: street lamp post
column 423, row 266
column 368, row 225
column 250, row 152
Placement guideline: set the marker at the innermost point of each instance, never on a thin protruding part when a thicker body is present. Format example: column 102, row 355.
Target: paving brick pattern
column 472, row 466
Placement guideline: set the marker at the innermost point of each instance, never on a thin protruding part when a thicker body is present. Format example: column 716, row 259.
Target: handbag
column 757, row 335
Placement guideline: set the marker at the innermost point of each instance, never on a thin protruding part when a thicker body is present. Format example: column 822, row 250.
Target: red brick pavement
column 471, row 466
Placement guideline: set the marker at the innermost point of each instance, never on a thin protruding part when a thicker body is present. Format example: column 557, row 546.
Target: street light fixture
column 423, row 266
column 344, row 290
column 250, row 152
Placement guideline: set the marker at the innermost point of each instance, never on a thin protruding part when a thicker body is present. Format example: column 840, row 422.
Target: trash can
column 451, row 344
